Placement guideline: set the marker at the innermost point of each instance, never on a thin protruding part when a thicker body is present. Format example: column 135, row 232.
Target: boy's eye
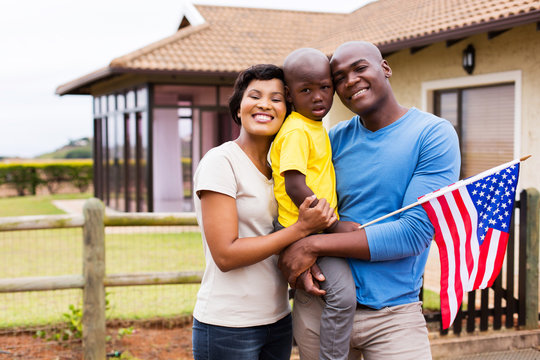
column 307, row 91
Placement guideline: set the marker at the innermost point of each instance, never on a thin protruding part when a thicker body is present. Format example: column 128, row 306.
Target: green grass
column 35, row 205
column 431, row 300
column 56, row 252
column 59, row 252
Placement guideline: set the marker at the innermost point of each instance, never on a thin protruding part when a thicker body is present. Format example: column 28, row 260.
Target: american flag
column 471, row 220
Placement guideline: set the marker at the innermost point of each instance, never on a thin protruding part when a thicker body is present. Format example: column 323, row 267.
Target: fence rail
column 93, row 279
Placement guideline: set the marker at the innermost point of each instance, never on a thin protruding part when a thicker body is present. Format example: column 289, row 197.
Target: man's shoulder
column 428, row 121
column 343, row 125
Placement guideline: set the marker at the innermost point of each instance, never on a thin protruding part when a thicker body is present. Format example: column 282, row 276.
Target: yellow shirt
column 303, row 145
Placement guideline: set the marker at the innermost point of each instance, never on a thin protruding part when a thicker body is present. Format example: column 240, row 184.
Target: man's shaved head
column 363, row 48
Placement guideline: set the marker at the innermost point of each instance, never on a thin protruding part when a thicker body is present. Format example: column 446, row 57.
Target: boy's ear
column 288, row 96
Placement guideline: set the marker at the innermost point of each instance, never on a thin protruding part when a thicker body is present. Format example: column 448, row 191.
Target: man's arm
column 301, row 255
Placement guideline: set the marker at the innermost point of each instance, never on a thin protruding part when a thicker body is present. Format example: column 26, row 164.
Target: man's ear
column 386, row 69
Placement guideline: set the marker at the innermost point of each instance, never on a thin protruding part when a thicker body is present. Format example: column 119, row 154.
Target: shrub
column 26, row 177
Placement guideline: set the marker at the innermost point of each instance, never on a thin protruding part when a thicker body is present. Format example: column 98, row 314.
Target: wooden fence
column 490, row 314
column 93, row 280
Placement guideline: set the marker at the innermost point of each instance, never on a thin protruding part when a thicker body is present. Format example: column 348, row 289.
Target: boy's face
column 311, row 91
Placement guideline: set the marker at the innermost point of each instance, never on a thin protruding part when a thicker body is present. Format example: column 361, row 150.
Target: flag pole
column 457, row 184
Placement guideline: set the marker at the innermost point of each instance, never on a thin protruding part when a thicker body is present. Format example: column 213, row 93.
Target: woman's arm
column 220, row 221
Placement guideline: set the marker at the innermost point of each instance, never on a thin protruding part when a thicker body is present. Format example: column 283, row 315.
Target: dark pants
column 265, row 342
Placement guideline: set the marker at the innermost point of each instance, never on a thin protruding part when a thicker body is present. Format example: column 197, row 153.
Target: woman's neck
column 256, row 148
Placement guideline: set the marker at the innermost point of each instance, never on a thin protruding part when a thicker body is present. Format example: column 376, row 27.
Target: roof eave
column 462, row 32
column 81, row 85
column 76, row 87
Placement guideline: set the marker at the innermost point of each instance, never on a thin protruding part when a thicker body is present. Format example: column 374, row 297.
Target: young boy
column 301, row 159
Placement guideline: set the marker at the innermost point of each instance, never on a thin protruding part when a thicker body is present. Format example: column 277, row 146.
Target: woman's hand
column 317, row 218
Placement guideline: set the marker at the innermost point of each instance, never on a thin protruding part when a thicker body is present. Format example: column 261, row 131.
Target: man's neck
column 383, row 117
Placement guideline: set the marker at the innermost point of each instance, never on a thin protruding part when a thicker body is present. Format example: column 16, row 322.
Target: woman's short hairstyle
column 255, row 72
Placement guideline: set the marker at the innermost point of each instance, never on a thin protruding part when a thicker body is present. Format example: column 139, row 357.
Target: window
column 484, row 120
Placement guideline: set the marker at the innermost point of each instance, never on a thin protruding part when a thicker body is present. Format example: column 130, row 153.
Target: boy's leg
column 339, row 306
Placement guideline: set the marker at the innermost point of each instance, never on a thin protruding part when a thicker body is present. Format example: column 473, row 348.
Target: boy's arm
column 296, row 188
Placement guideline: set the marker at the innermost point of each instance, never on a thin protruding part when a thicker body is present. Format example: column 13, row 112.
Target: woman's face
column 263, row 108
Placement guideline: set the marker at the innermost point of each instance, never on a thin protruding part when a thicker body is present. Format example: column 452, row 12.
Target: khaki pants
column 397, row 332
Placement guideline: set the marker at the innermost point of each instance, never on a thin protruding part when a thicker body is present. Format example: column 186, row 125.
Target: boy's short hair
column 255, row 72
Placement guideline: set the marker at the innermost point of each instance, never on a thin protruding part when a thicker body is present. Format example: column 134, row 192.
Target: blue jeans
column 265, row 342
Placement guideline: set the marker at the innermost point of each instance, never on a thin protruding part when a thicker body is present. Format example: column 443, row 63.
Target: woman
column 242, row 309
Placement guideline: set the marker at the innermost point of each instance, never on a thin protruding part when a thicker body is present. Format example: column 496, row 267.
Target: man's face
column 360, row 78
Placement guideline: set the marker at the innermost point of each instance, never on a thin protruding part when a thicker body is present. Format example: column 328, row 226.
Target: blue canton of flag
column 493, row 198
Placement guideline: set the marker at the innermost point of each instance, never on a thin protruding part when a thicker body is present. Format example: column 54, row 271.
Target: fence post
column 94, row 273
column 531, row 209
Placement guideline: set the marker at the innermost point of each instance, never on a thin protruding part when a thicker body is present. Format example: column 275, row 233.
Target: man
column 385, row 158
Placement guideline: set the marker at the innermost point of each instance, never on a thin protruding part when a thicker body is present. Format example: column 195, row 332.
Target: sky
column 47, row 43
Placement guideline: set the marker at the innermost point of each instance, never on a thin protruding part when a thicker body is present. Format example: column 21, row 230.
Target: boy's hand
column 343, row 226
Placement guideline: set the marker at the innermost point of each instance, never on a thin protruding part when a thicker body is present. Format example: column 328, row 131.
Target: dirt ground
column 143, row 344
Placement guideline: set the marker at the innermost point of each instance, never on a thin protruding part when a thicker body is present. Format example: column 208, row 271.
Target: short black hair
column 255, row 72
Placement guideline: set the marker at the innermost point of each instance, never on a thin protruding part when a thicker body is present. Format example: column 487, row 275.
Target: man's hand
column 309, row 281
column 296, row 259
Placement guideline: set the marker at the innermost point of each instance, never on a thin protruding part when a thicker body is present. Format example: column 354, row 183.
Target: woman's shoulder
column 226, row 150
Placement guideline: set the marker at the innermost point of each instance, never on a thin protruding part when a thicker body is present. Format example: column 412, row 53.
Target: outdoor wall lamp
column 468, row 59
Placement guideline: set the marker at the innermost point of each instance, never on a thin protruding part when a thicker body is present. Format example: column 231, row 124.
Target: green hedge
column 25, row 177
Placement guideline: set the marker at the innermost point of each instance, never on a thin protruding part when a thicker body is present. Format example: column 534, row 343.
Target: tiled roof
column 399, row 24
column 233, row 38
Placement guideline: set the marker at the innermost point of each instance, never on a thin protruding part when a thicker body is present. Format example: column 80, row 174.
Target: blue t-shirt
column 380, row 172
